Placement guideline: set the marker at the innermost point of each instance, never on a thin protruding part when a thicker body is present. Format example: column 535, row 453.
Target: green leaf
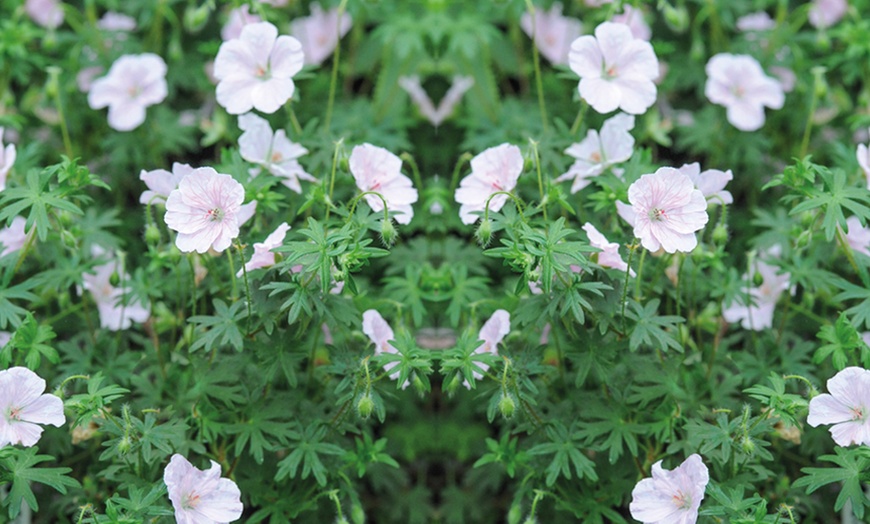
column 19, row 469
column 852, row 463
column 307, row 453
column 843, row 341
column 566, row 452
column 222, row 325
column 652, row 330
column 30, row 339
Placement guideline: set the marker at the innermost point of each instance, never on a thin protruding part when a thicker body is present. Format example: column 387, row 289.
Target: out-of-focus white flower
column 786, row 77
column 711, row 182
column 668, row 209
column 758, row 21
column 320, row 32
column 738, row 83
column 47, row 13
column 7, row 158
column 495, row 169
column 671, row 496
column 862, row 153
column 133, row 83
column 847, row 407
column 609, row 255
column 114, row 314
column 161, row 182
column 204, row 210
column 85, row 77
column 263, row 255
column 255, row 71
column 858, row 236
column 633, row 18
column 24, row 405
column 553, row 33
column 377, row 170
column 412, row 86
column 616, row 69
column 116, row 22
column 273, row 151
column 754, row 307
column 825, row 13
column 13, row 237
column 595, row 153
column 237, row 20
column 201, row 496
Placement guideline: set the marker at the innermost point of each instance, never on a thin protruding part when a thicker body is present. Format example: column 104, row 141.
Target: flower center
column 277, row 157
column 657, row 215
column 214, row 215
column 14, row 414
column 858, row 413
column 610, row 72
column 681, row 500
column 134, row 91
column 738, row 91
column 190, row 500
column 261, row 71
column 595, row 157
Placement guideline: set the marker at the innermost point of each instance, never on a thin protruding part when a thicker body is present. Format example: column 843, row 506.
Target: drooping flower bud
column 365, row 405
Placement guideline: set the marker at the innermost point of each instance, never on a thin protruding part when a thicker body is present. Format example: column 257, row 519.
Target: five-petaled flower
column 320, row 32
column 47, row 13
column 710, row 182
column 7, row 158
column 671, row 496
column 825, row 13
column 255, row 70
column 668, row 209
column 263, row 255
column 133, row 83
column 553, row 33
column 598, row 151
column 201, row 496
column 616, row 69
column 377, row 170
column 847, row 407
column 204, row 210
column 495, row 170
column 23, row 405
column 273, row 151
column 738, row 83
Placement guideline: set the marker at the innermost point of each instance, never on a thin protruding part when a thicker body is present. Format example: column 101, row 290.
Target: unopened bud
column 534, row 276
column 114, row 279
column 507, row 406
column 677, row 18
column 720, row 234
column 419, row 385
column 515, row 514
column 365, row 405
column 531, row 519
column 357, row 514
column 528, row 165
column 453, row 385
column 152, row 234
column 343, row 164
column 195, row 18
column 68, row 239
column 388, row 232
column 757, row 279
column 747, row 445
column 484, row 231
column 124, row 445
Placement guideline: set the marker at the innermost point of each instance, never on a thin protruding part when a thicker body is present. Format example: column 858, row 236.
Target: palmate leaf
column 10, row 314
column 30, row 339
column 263, row 428
column 222, row 325
column 651, row 329
column 306, row 452
column 618, row 433
column 18, row 467
column 565, row 448
column 465, row 290
column 852, row 463
column 843, row 341
column 406, row 290
column 36, row 196
column 833, row 199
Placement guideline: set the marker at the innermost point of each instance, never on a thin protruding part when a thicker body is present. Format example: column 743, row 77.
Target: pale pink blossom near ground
column 436, row 115
column 862, row 154
column 825, row 13
column 201, row 496
column 320, row 32
column 858, row 236
column 633, row 18
column 85, row 77
column 671, row 496
column 204, row 210
column 757, row 21
column 609, row 255
column 598, row 151
column 553, row 33
column 272, row 151
column 846, row 406
column 117, row 22
column 24, row 405
column 616, row 69
column 13, row 237
column 133, row 83
column 380, row 333
column 7, row 159
column 161, row 182
column 710, row 182
column 755, row 311
column 379, row 171
column 491, row 334
column 47, row 13
column 255, row 71
column 237, row 20
column 738, row 83
column 263, row 255
column 114, row 314
column 668, row 209
column 495, row 169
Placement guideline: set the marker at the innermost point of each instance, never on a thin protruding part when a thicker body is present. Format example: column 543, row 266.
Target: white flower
column 134, row 82
column 553, row 32
column 825, row 13
column 379, row 171
column 263, row 255
column 23, row 405
column 13, row 237
column 755, row 306
column 858, row 236
column 491, row 334
column 320, row 32
column 161, row 182
column 609, row 255
column 273, row 151
column 738, row 83
column 671, row 496
column 412, row 86
column 116, row 22
column 47, row 13
column 496, row 169
column 7, row 159
column 598, row 152
column 863, row 155
column 847, row 407
column 204, row 210
column 238, row 19
column 711, row 182
column 667, row 210
column 380, row 333
column 201, row 496
column 115, row 315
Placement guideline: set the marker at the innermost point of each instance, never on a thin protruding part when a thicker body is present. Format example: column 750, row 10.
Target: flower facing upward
column 161, row 182
column 204, row 210
column 667, row 210
column 7, row 158
column 711, row 182
column 847, row 407
column 495, row 169
column 380, row 333
column 273, row 151
column 616, row 69
column 134, row 82
column 23, row 405
column 671, row 496
column 256, row 69
column 115, row 315
column 609, row 254
column 738, row 83
column 263, row 255
column 597, row 152
column 825, row 13
column 320, row 32
column 201, row 496
column 553, row 33
column 379, row 171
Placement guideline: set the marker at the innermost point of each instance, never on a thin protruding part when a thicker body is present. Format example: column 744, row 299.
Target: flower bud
column 343, row 164
column 419, row 385
column 531, row 519
column 677, row 18
column 195, row 18
column 720, row 234
column 124, row 445
column 152, row 234
column 453, row 385
column 757, row 279
column 357, row 514
column 747, row 445
column 365, row 405
column 388, row 232
column 515, row 513
column 68, row 239
column 507, row 406
column 341, row 520
column 484, row 232
column 528, row 165
column 114, row 279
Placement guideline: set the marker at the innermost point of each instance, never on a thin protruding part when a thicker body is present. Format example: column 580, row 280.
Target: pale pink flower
column 847, row 407
column 597, row 3
column 633, row 18
column 7, row 159
column 863, row 155
column 495, row 169
column 236, row 21
column 626, row 212
column 597, row 152
column 161, row 182
column 246, row 212
column 23, row 405
column 711, row 182
column 412, row 86
column 115, row 315
column 255, row 70
column 825, row 13
column 379, row 171
column 758, row 21
column 786, row 78
column 201, row 496
column 491, row 334
column 858, row 236
column 609, row 255
column 47, row 13
column 5, row 337
column 668, row 210
column 273, row 151
column 263, row 255
column 553, row 33
column 13, row 237
column 380, row 333
column 671, row 496
column 116, row 22
column 616, row 69
column 275, row 3
column 204, row 210
column 133, row 83
column 738, row 83
column 85, row 77
column 320, row 32
column 755, row 306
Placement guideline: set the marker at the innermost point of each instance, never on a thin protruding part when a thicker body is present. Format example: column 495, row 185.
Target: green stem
column 581, row 113
column 463, row 158
column 540, row 177
column 818, row 78
column 639, row 273
column 334, row 80
column 356, row 200
column 332, row 178
column 537, row 62
column 407, row 157
column 54, row 90
column 235, row 291
column 247, row 285
column 631, row 250
column 511, row 195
